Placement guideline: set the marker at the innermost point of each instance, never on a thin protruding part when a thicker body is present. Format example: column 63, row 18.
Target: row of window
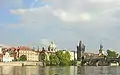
column 27, row 52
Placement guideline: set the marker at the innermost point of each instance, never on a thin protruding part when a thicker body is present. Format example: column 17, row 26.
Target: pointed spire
column 79, row 43
column 101, row 46
column 33, row 48
column 38, row 48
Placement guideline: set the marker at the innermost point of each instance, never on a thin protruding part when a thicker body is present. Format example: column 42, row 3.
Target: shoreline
column 21, row 63
column 30, row 63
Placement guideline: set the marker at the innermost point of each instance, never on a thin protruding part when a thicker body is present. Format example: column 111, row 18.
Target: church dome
column 53, row 45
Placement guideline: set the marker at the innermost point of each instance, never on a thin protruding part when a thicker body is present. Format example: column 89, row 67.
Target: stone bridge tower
column 80, row 50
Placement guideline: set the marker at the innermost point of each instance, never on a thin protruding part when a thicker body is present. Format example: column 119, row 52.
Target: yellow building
column 31, row 54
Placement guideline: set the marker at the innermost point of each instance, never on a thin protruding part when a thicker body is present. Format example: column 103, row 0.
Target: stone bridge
column 101, row 61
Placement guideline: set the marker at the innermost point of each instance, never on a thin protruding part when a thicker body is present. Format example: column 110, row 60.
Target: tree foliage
column 66, row 58
column 43, row 58
column 54, row 60
column 100, row 51
column 74, row 62
column 111, row 54
column 23, row 58
column 60, row 58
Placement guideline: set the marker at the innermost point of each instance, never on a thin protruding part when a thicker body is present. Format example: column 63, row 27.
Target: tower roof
column 52, row 44
column 101, row 46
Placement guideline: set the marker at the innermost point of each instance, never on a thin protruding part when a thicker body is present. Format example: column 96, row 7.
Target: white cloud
column 88, row 19
column 30, row 10
column 85, row 17
column 74, row 11
column 18, row 11
column 71, row 17
column 62, row 15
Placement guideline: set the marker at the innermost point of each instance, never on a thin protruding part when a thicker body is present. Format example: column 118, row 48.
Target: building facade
column 73, row 55
column 32, row 55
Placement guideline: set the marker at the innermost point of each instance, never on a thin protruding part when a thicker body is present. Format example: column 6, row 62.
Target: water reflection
column 52, row 70
column 81, row 70
column 55, row 71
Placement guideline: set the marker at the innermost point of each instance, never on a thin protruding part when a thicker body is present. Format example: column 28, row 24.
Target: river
column 70, row 70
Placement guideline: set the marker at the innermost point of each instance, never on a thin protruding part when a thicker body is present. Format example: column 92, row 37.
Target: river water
column 72, row 70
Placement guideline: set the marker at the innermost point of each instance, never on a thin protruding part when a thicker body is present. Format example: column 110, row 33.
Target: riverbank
column 21, row 63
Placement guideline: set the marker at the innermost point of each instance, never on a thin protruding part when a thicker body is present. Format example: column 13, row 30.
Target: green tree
column 59, row 54
column 64, row 58
column 67, row 57
column 100, row 51
column 23, row 58
column 54, row 60
column 43, row 58
column 111, row 54
column 74, row 62
column 60, row 58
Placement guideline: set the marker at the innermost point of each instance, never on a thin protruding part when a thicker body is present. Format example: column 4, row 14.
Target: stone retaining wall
column 20, row 63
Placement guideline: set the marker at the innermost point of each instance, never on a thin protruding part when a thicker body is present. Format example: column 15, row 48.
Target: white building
column 7, row 58
column 73, row 55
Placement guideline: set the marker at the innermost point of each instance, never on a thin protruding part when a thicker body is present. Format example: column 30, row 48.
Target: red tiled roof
column 23, row 48
column 13, row 48
column 12, row 55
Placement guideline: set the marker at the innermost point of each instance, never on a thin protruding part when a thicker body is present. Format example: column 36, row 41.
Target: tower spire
column 101, row 52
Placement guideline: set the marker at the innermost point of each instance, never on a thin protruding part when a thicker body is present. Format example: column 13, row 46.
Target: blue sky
column 37, row 22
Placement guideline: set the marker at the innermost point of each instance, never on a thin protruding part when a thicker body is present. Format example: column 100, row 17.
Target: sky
column 66, row 22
